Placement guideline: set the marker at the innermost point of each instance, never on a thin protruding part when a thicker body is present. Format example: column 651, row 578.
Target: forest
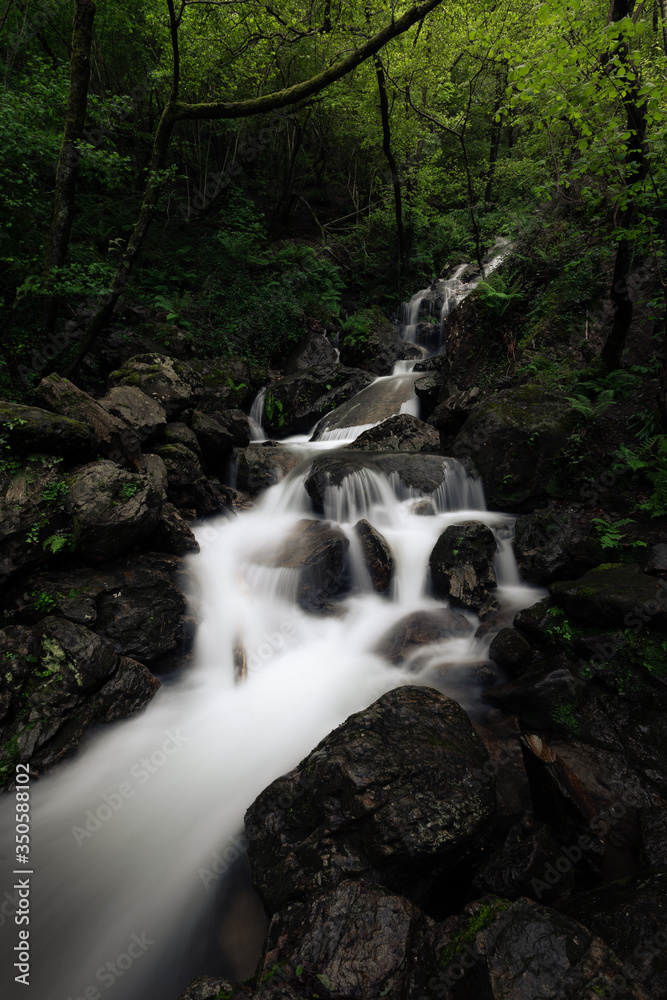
column 333, row 499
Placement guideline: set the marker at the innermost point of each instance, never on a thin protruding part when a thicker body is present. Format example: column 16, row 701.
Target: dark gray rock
column 449, row 416
column 137, row 410
column 29, row 429
column 262, row 465
column 615, row 594
column 461, row 565
column 401, row 432
column 173, row 384
column 112, row 509
column 392, row 796
column 554, row 545
column 215, row 441
column 236, row 423
column 318, row 551
column 518, row 867
column 295, row 403
column 418, row 629
column 173, row 533
column 657, row 560
column 377, row 350
column 368, row 404
column 377, row 556
column 315, row 350
column 510, row 650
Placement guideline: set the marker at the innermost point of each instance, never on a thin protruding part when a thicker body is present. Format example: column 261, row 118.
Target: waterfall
column 257, row 432
column 136, row 843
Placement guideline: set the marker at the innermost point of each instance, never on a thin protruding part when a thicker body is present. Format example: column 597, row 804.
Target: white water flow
column 127, row 838
column 418, row 320
column 257, row 432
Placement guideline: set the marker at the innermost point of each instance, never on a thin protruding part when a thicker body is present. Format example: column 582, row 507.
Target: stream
column 140, row 881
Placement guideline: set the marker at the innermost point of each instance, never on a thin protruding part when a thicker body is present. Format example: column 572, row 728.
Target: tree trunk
column 496, row 132
column 663, row 14
column 68, row 162
column 389, row 156
column 637, row 169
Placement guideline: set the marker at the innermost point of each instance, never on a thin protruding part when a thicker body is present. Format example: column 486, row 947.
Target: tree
column 177, row 110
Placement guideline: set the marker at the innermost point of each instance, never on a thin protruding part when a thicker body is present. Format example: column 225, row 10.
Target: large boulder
column 112, row 509
column 114, row 437
column 353, row 940
column 214, row 440
column 294, row 404
column 461, row 565
column 173, row 384
column 398, row 795
column 32, row 496
column 554, row 545
column 402, row 432
column 173, row 533
column 236, row 423
column 228, row 382
column 140, row 412
column 318, row 552
column 418, row 629
column 29, row 429
column 524, row 951
column 331, row 471
column 449, row 416
column 60, row 678
column 262, row 465
column 514, row 439
column 313, row 351
column 377, row 348
column 377, row 556
column 367, row 405
column 615, row 594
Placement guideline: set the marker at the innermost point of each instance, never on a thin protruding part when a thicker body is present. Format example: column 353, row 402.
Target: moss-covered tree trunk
column 68, row 161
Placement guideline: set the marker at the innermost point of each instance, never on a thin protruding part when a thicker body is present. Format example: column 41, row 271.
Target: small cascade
column 357, row 496
column 257, row 432
column 344, row 434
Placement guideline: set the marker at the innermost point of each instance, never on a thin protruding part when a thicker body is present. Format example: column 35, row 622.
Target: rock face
column 227, row 382
column 418, row 629
column 377, row 351
column 401, row 432
column 295, row 403
column 214, row 440
column 144, row 415
column 114, row 437
column 260, row 466
column 314, row 351
column 29, row 429
column 499, row 951
column 173, row 384
column 111, row 508
column 513, row 440
column 552, row 545
column 451, row 413
column 173, row 533
column 318, row 551
column 510, row 650
column 461, row 565
column 354, row 940
column 396, row 795
column 377, row 556
column 59, row 679
column 375, row 403
column 615, row 594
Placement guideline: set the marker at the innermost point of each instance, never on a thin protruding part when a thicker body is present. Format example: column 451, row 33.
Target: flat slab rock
column 392, row 794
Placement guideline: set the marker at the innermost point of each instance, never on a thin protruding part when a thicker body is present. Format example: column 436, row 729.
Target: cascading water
column 132, row 843
column 418, row 320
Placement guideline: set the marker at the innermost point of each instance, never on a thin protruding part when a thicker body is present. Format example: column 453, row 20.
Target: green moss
column 483, row 915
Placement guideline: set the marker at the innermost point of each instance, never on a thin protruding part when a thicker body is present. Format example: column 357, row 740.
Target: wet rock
column 652, row 821
column 402, row 432
column 137, row 604
column 534, row 621
column 630, row 915
column 363, row 408
column 262, row 465
column 318, row 551
column 377, row 556
column 233, row 501
column 613, row 594
column 175, row 385
column 112, row 509
column 29, row 429
column 396, row 795
column 543, row 698
column 114, row 438
column 137, row 410
column 173, row 533
column 510, row 650
column 418, row 629
column 520, row 867
column 430, row 390
column 427, row 473
column 554, row 545
column 215, row 441
column 513, row 440
column 295, row 403
column 449, row 416
column 377, row 351
column 207, row 988
column 154, row 468
column 62, row 678
column 186, row 484
column 354, row 940
column 314, row 351
column 500, row 950
column 461, row 565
